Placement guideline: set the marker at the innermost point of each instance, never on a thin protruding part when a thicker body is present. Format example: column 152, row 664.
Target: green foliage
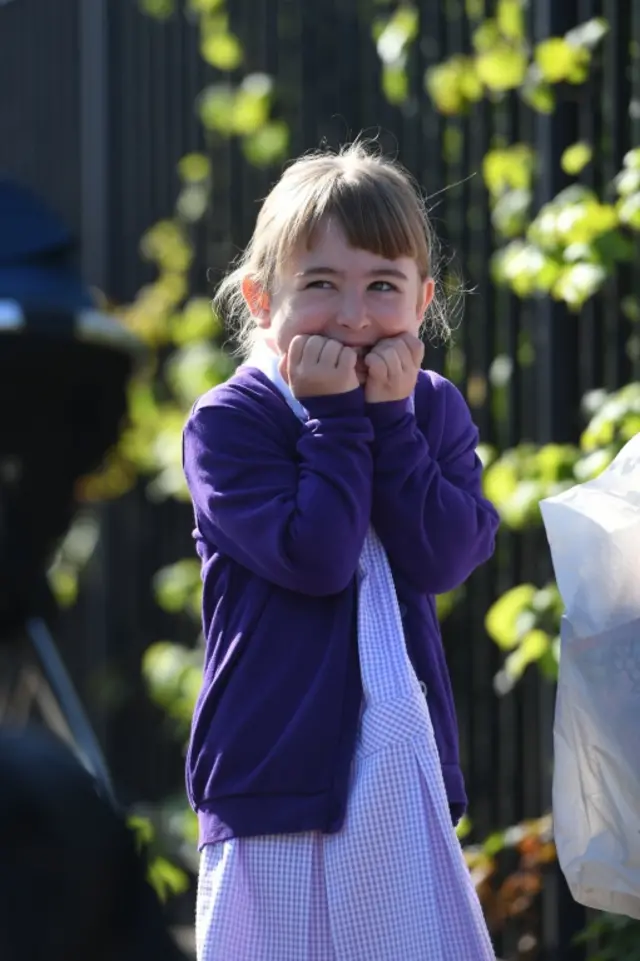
column 571, row 247
column 618, row 938
column 524, row 623
column 394, row 35
column 167, row 878
column 518, row 479
column 71, row 557
column 522, row 476
column 503, row 60
column 173, row 674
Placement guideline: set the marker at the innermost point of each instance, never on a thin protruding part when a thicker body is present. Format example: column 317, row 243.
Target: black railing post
column 558, row 413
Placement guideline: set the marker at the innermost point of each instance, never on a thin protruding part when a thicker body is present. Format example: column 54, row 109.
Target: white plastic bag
column 594, row 535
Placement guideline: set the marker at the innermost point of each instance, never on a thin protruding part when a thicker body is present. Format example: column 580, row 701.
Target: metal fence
column 96, row 108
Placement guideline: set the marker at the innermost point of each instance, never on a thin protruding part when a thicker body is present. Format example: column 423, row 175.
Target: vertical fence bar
column 557, row 415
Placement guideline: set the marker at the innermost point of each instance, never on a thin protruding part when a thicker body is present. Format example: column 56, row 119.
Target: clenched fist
column 393, row 366
column 315, row 366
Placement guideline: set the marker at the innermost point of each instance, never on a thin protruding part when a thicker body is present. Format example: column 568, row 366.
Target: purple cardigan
column 281, row 512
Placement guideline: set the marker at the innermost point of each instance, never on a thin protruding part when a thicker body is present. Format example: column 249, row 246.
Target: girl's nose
column 352, row 312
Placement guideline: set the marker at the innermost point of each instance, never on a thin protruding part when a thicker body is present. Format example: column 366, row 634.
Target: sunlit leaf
column 195, row 368
column 268, row 144
column 540, row 96
column 175, row 585
column 485, row 36
column 399, row 31
column 632, row 159
column 575, row 158
column 250, row 111
column 509, row 167
column 194, row 167
column 216, row 106
column 629, row 210
column 588, row 34
column 453, row 84
column 221, row 50
column 160, row 9
column 510, row 18
column 167, row 879
column 559, row 60
column 198, row 321
column 576, row 284
column 502, row 68
column 395, row 83
column 463, row 828
column 532, row 647
column 205, row 6
column 63, row 582
column 192, row 202
column 628, row 181
column 142, row 828
column 167, row 245
column 502, row 618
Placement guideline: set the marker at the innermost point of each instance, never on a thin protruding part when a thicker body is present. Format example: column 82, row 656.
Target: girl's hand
column 393, row 366
column 316, row 366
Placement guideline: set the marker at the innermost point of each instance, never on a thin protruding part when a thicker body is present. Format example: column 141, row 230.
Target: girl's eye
column 383, row 286
column 319, row 285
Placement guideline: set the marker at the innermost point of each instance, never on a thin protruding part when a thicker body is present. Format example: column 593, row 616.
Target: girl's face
column 341, row 292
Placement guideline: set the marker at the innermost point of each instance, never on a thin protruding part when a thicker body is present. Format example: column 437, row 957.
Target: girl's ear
column 427, row 291
column 257, row 300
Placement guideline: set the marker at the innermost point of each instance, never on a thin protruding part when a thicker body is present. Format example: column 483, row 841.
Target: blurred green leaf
column 205, row 6
column 502, row 68
column 159, row 9
column 197, row 321
column 575, row 158
column 395, row 83
column 558, row 60
column 167, row 879
column 221, row 49
column 194, row 167
column 216, row 106
column 268, row 144
column 510, row 19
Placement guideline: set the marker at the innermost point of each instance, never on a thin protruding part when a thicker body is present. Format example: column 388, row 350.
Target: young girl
column 336, row 490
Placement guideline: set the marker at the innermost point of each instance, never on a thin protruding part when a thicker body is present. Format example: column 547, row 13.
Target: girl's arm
column 293, row 510
column 428, row 507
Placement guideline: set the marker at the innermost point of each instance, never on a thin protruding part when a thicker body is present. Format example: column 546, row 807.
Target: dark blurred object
column 73, row 885
column 64, row 367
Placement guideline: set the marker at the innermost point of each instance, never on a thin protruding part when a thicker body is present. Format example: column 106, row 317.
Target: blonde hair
column 375, row 201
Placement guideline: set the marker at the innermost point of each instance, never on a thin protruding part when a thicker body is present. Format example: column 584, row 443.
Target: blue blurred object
column 37, row 254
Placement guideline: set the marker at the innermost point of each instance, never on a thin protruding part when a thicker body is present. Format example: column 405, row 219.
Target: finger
column 403, row 353
column 387, row 350
column 347, row 359
column 376, row 366
column 331, row 352
column 296, row 350
column 416, row 348
column 313, row 348
column 393, row 362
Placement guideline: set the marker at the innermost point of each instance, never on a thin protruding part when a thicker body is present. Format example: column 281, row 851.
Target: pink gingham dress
column 392, row 885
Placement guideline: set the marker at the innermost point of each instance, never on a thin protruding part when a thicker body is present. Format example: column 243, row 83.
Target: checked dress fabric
column 392, row 885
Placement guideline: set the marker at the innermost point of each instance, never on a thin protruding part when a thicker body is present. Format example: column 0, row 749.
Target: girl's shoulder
column 248, row 390
column 440, row 407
